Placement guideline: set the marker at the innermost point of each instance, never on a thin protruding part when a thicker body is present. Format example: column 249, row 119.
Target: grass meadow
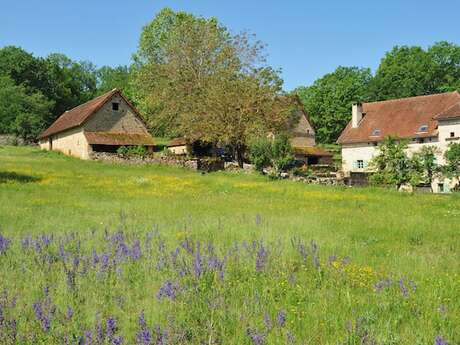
column 93, row 253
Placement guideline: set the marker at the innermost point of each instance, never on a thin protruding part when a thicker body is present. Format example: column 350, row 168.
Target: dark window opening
column 115, row 106
column 312, row 160
column 360, row 164
column 105, row 148
column 452, row 134
column 420, row 140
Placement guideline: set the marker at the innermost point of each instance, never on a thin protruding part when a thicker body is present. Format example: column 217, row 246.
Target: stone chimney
column 356, row 114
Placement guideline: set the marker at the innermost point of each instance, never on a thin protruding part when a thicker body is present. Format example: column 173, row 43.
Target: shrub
column 132, row 151
column 276, row 153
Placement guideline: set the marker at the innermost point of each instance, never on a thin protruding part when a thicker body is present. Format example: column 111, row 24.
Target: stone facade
column 71, row 142
column 303, row 134
column 123, row 120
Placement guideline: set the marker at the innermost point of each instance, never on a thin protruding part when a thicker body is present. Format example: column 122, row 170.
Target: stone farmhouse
column 100, row 125
column 303, row 140
column 423, row 120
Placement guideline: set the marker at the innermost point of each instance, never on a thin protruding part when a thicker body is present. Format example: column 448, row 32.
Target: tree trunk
column 239, row 153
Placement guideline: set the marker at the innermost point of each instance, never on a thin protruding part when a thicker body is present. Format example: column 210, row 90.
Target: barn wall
column 124, row 120
column 71, row 142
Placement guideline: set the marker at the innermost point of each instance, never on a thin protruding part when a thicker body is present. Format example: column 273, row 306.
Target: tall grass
column 161, row 255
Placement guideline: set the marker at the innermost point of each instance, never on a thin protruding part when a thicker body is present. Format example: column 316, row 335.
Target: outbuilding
column 101, row 125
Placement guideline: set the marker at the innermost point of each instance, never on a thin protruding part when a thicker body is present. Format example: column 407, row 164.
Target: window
column 360, row 164
column 115, row 106
column 423, row 128
column 420, row 140
column 452, row 134
column 376, row 132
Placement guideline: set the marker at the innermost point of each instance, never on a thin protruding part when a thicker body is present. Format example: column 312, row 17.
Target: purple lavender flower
column 41, row 316
column 144, row 337
column 110, row 327
column 281, row 318
column 403, row 288
column 168, row 290
column 4, row 244
column 117, row 340
column 160, row 337
column 261, row 258
column 69, row 313
column 198, row 262
column 440, row 341
column 136, row 250
column 256, row 337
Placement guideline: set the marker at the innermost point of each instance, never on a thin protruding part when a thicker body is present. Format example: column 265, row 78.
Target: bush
column 132, row 151
column 260, row 153
column 276, row 153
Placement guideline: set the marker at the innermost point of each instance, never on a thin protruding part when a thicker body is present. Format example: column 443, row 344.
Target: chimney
column 356, row 114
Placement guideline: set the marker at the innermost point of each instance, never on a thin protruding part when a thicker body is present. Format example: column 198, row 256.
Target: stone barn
column 100, row 125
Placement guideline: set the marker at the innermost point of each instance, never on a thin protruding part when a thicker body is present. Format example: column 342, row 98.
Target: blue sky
column 306, row 39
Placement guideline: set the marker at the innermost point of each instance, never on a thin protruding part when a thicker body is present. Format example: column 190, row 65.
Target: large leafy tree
column 198, row 80
column 22, row 113
column 110, row 78
column 328, row 101
column 404, row 72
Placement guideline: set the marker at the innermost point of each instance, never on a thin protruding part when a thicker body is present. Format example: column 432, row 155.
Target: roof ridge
column 112, row 92
column 412, row 97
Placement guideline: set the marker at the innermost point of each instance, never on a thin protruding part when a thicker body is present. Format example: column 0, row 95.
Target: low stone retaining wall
column 138, row 160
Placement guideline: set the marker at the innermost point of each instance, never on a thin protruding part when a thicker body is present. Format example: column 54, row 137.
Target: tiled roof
column 110, row 138
column 78, row 115
column 451, row 113
column 312, row 151
column 403, row 118
column 177, row 142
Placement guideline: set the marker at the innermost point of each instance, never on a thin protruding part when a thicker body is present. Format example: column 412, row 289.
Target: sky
column 305, row 39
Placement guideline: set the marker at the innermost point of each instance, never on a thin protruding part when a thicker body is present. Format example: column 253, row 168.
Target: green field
column 383, row 267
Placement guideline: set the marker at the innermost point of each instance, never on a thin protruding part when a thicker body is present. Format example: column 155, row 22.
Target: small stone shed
column 100, row 125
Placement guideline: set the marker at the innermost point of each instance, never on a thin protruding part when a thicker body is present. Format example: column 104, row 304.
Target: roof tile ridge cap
column 412, row 97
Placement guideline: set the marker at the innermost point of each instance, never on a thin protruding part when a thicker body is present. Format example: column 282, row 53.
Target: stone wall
column 138, row 160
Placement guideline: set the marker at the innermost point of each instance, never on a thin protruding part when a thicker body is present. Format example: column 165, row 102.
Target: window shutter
column 355, row 165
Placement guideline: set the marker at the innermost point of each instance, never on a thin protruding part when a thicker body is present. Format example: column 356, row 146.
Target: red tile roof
column 312, row 151
column 110, row 138
column 401, row 117
column 451, row 113
column 78, row 115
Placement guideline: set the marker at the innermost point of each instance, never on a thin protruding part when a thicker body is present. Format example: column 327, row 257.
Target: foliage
column 22, row 113
column 352, row 286
column 132, row 151
column 392, row 166
column 109, row 78
column 328, row 101
column 201, row 82
column 260, row 153
column 424, row 163
column 452, row 156
column 277, row 153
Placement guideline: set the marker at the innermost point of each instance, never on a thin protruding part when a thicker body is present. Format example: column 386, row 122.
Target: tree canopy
column 328, row 101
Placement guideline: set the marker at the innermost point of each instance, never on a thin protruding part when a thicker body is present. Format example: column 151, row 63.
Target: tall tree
column 404, row 72
column 328, row 101
column 109, row 78
column 199, row 81
column 22, row 113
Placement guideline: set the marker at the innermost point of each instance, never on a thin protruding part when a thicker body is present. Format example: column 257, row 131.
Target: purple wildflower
column 136, row 250
column 69, row 313
column 4, row 244
column 403, row 288
column 161, row 337
column 256, row 337
column 198, row 262
column 268, row 321
column 110, row 327
column 144, row 337
column 440, row 341
column 261, row 258
column 41, row 316
column 117, row 340
column 281, row 318
column 168, row 290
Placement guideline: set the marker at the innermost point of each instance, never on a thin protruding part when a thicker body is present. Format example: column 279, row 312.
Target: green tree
column 277, row 153
column 424, row 164
column 109, row 78
column 328, row 101
column 392, row 166
column 22, row 113
column 208, row 85
column 405, row 72
column 452, row 157
column 446, row 58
